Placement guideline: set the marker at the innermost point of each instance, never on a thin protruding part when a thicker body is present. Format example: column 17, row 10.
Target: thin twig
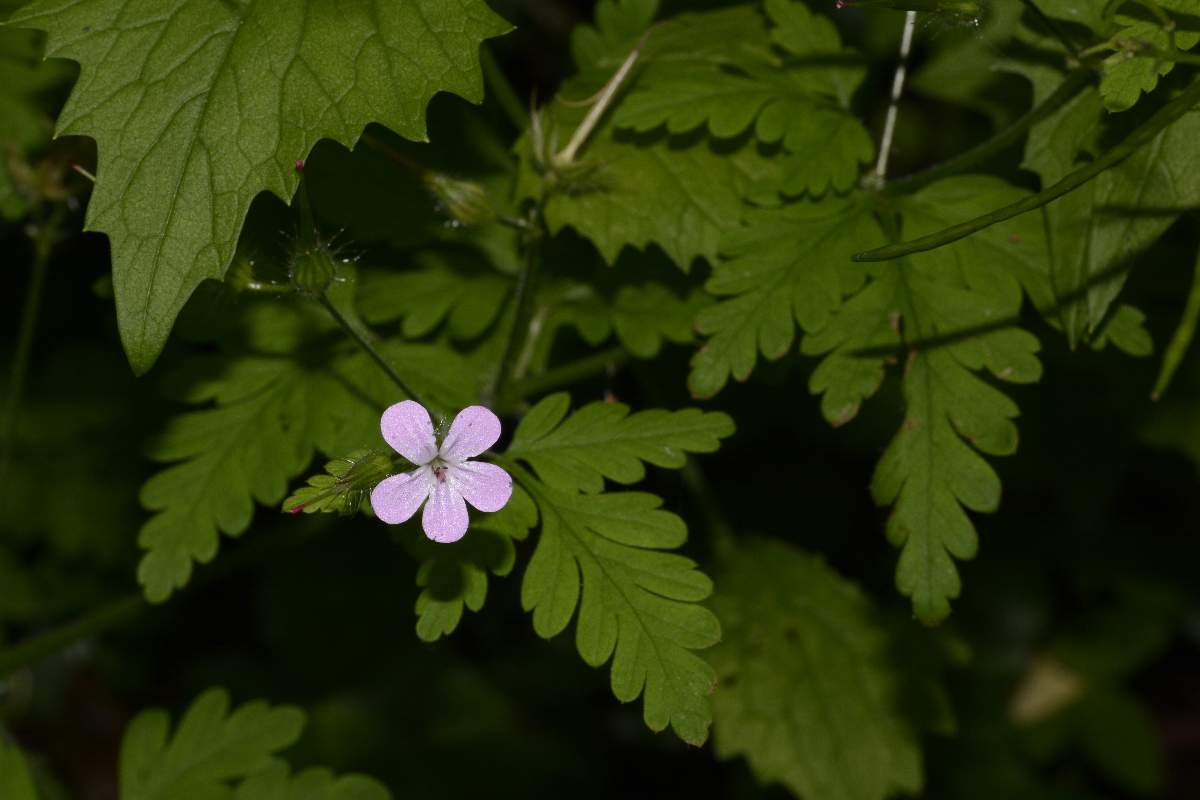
column 523, row 310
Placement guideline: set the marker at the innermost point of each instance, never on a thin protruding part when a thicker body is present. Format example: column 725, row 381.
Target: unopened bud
column 465, row 202
column 312, row 269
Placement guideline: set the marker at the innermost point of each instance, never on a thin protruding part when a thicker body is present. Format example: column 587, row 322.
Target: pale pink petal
column 445, row 517
column 474, row 430
column 485, row 486
column 406, row 426
column 397, row 498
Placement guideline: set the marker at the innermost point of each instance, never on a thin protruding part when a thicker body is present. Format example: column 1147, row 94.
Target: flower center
column 440, row 473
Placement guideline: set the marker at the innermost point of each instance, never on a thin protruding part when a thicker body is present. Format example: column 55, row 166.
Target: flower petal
column 406, row 426
column 485, row 486
column 445, row 517
column 397, row 498
column 474, row 430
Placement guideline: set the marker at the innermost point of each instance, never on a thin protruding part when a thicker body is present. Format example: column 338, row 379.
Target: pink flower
column 444, row 476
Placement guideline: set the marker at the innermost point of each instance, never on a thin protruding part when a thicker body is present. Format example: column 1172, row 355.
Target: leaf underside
column 198, row 106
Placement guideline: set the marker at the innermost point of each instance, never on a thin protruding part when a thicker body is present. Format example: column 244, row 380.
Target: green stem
column 502, row 89
column 1140, row 136
column 564, row 375
column 523, row 300
column 1181, row 340
column 43, row 246
column 723, row 536
column 86, row 627
column 1072, row 85
column 118, row 611
column 1056, row 30
column 369, row 347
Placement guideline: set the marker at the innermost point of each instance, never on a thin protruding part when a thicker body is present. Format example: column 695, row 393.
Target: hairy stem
column 523, row 302
column 364, row 341
column 1140, row 136
column 564, row 375
column 889, row 124
column 43, row 245
column 1071, row 86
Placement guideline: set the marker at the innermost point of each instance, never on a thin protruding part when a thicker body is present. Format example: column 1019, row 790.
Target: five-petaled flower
column 444, row 476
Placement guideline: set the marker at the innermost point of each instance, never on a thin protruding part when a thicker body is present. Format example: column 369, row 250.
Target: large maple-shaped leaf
column 197, row 106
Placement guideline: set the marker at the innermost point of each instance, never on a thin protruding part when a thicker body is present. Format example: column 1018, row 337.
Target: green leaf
column 444, row 287
column 1125, row 329
column 668, row 191
column 238, row 93
column 454, row 577
column 602, row 554
column 791, row 263
column 952, row 311
column 740, row 86
column 210, row 748
column 806, row 692
column 315, row 783
column 270, row 414
column 1127, row 76
column 16, row 782
column 1097, row 231
column 603, row 440
column 344, row 487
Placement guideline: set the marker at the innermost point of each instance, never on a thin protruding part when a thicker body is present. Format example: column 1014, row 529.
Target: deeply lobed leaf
column 603, row 440
column 602, row 555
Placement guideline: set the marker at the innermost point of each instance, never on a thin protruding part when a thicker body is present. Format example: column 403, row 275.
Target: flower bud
column 313, row 267
column 466, row 202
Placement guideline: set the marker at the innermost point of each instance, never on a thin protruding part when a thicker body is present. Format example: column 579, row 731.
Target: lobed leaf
column 806, row 692
column 784, row 266
column 741, row 86
column 603, row 440
column 601, row 555
column 454, row 577
column 210, row 748
column 197, row 107
column 952, row 311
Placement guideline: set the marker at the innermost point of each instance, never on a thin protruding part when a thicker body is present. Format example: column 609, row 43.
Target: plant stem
column 502, row 89
column 889, row 124
column 1055, row 29
column 1140, row 136
column 564, row 375
column 43, row 246
column 130, row 606
column 1072, row 84
column 369, row 347
column 523, row 300
column 87, row 626
column 1181, row 340
column 723, row 536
